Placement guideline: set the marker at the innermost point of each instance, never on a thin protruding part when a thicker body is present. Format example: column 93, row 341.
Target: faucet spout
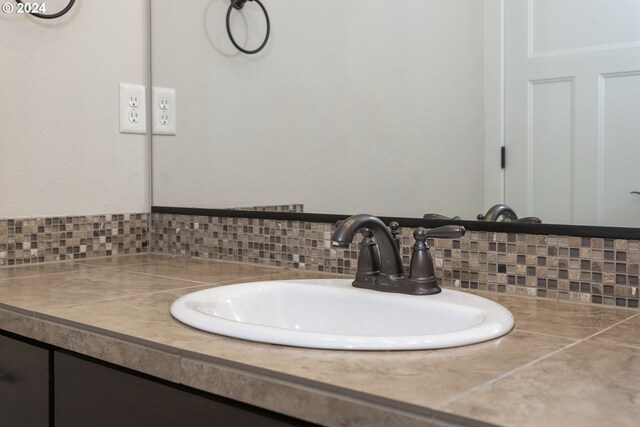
column 390, row 260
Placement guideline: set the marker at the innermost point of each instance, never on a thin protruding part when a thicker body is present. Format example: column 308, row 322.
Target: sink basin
column 331, row 314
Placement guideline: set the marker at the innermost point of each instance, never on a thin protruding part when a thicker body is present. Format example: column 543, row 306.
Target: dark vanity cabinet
column 92, row 394
column 45, row 386
column 24, row 383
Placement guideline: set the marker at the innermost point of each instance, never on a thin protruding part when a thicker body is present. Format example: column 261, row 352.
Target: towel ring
column 239, row 4
column 53, row 15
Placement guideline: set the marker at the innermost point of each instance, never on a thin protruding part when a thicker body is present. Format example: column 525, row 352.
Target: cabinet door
column 91, row 394
column 24, row 384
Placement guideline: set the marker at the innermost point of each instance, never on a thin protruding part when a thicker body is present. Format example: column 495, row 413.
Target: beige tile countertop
column 563, row 364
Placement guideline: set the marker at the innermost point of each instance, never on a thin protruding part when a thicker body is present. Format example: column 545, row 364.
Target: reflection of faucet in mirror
column 504, row 213
column 390, row 276
column 438, row 216
column 497, row 211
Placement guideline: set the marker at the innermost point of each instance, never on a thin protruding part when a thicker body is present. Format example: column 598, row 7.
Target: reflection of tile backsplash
column 32, row 240
column 296, row 208
column 588, row 270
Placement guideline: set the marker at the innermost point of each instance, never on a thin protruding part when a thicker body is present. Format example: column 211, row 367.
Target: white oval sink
column 332, row 314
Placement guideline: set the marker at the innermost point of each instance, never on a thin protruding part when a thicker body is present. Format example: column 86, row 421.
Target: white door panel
column 551, row 147
column 570, row 26
column 620, row 123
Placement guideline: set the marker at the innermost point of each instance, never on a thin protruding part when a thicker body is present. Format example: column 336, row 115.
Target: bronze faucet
column 504, row 213
column 380, row 248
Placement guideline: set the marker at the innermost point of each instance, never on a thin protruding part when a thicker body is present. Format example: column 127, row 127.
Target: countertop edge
column 305, row 399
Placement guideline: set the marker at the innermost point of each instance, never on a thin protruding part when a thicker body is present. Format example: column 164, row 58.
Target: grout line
column 161, row 291
column 196, row 282
column 93, row 261
column 632, row 347
column 526, row 365
column 117, row 267
column 200, row 284
column 124, row 270
column 544, row 335
column 57, row 273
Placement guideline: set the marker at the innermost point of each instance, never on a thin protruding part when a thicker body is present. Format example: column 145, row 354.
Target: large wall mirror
column 402, row 109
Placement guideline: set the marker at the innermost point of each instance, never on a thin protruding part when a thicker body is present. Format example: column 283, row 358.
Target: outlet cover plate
column 163, row 112
column 133, row 110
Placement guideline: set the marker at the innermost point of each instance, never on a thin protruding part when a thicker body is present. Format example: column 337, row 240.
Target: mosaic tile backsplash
column 34, row 240
column 586, row 270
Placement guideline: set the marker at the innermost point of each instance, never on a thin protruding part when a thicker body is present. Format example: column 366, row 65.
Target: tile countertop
column 563, row 364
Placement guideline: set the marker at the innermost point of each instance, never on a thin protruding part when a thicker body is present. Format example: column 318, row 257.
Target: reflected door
column 573, row 110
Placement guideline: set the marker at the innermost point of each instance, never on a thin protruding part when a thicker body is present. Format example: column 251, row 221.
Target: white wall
column 61, row 152
column 354, row 106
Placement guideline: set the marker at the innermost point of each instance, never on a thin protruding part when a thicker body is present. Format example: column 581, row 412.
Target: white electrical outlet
column 133, row 111
column 163, row 113
column 133, row 116
column 134, row 101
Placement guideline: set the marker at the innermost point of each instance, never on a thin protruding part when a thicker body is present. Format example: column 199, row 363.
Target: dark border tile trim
column 501, row 227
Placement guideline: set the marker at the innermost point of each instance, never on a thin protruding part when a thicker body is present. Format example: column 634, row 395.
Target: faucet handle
column 420, row 234
column 445, row 232
column 421, row 272
column 395, row 230
column 368, row 258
